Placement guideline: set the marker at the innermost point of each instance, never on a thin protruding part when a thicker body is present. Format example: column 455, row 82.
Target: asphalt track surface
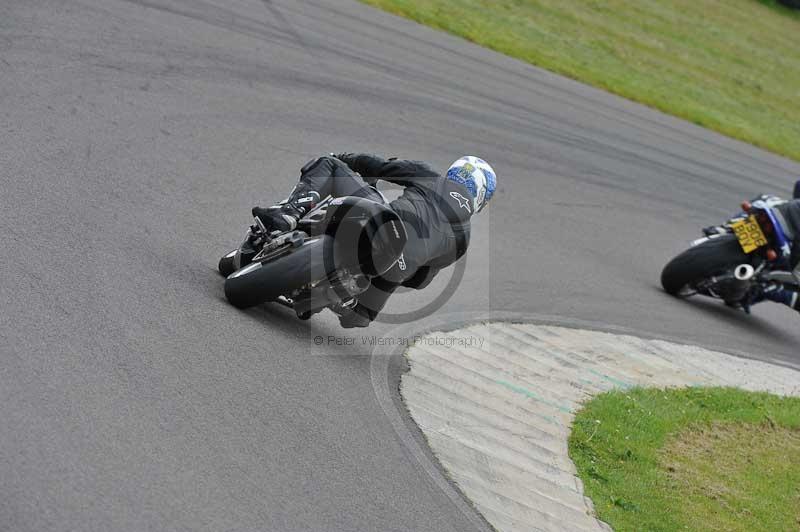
column 136, row 135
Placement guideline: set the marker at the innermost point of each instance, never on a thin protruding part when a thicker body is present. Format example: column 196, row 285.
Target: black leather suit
column 436, row 213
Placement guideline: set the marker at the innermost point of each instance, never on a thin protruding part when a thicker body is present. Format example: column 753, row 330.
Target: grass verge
column 732, row 66
column 690, row 459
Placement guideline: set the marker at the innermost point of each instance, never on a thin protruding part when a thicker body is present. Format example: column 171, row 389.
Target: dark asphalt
column 136, row 135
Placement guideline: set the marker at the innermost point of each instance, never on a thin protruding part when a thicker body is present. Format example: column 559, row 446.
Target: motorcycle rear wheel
column 713, row 257
column 260, row 282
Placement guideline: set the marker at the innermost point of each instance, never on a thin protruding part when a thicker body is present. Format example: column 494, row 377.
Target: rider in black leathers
column 789, row 217
column 435, row 209
column 790, row 212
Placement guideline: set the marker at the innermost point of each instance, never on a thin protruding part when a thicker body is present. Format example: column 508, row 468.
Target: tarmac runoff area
column 496, row 402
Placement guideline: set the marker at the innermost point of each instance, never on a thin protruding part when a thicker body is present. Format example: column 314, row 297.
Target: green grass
column 732, row 65
column 690, row 459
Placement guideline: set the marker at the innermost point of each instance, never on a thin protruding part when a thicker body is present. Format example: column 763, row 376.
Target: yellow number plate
column 750, row 235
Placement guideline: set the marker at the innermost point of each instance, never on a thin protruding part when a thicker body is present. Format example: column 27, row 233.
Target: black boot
column 284, row 217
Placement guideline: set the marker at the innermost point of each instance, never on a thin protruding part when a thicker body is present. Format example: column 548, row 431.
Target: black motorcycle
column 326, row 262
column 748, row 257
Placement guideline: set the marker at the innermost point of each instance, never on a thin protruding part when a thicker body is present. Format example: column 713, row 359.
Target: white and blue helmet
column 479, row 178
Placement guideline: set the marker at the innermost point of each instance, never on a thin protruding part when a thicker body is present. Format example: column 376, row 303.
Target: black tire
column 712, row 257
column 258, row 283
column 226, row 266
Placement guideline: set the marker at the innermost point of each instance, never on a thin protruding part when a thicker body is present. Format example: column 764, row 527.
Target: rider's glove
column 358, row 316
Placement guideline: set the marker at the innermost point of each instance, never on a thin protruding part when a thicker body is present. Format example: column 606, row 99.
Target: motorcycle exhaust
column 734, row 288
column 744, row 272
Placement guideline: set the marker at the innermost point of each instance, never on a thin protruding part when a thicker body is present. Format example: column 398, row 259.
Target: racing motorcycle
column 325, row 262
column 749, row 256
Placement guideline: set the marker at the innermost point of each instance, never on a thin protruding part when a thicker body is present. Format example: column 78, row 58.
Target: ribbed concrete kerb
column 496, row 401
